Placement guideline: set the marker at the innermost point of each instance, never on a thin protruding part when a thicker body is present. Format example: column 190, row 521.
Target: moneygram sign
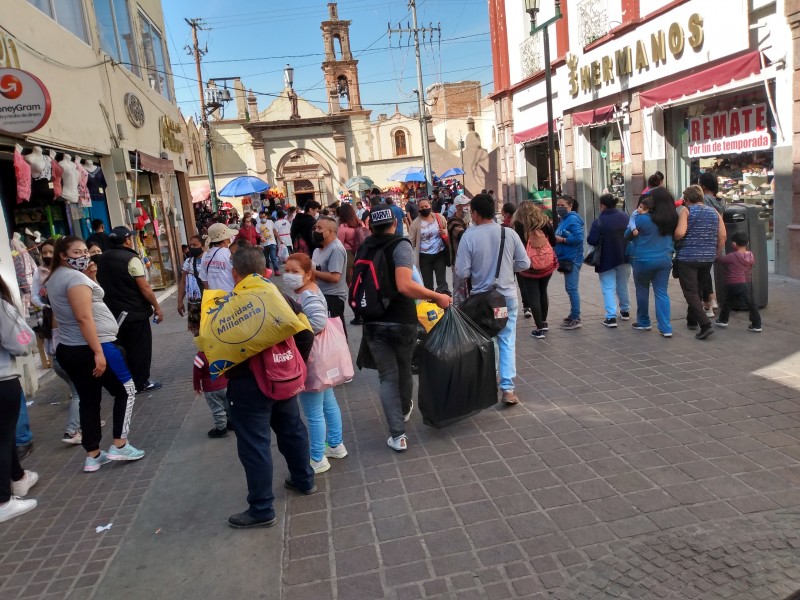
column 730, row 132
column 24, row 102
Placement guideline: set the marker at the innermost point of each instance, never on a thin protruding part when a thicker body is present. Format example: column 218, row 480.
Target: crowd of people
column 380, row 260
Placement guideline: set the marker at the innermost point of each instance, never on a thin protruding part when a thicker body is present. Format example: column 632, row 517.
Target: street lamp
column 532, row 8
column 288, row 76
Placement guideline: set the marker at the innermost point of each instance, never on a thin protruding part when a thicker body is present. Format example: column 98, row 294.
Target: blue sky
column 255, row 39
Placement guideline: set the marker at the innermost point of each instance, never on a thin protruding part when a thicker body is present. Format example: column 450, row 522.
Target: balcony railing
column 593, row 21
column 531, row 55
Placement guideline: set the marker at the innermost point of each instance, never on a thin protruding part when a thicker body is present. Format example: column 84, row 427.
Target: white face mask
column 293, row 281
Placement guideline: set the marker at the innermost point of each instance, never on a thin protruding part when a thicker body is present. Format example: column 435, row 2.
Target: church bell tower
column 340, row 68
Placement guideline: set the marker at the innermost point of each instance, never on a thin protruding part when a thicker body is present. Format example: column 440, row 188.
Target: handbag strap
column 500, row 254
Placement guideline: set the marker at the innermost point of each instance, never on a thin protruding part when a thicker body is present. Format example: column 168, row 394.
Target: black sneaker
column 610, row 322
column 217, row 433
column 291, row 486
column 356, row 321
column 244, row 521
column 754, row 328
column 692, row 326
column 538, row 334
column 705, row 331
column 625, row 315
column 151, row 386
column 638, row 327
column 24, row 450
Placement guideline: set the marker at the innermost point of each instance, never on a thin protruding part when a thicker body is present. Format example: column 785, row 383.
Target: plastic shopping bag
column 283, row 253
column 330, row 363
column 235, row 326
column 429, row 314
column 457, row 375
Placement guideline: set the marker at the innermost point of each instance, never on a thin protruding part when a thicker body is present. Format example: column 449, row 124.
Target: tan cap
column 219, row 232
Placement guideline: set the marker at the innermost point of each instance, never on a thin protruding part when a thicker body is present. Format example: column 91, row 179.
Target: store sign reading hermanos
column 738, row 130
column 169, row 131
column 656, row 50
column 24, row 102
column 636, row 58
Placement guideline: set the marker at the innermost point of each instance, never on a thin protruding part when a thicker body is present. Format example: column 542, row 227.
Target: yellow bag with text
column 428, row 314
column 235, row 326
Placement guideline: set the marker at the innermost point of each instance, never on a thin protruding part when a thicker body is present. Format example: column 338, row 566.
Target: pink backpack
column 541, row 254
column 279, row 371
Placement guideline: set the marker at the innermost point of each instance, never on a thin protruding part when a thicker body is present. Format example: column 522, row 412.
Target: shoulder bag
column 488, row 310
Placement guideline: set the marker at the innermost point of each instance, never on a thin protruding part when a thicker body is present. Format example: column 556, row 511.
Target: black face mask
column 318, row 237
column 195, row 252
column 425, row 212
column 562, row 212
column 46, row 261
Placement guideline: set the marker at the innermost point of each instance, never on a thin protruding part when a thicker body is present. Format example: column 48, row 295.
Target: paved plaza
column 635, row 467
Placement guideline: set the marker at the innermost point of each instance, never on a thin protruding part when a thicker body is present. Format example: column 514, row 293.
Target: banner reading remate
column 730, row 132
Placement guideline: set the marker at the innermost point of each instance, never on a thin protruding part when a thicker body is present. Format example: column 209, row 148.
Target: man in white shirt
column 269, row 241
column 360, row 210
column 330, row 263
column 284, row 230
column 216, row 270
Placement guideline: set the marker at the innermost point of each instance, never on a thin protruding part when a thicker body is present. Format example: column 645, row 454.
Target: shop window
column 116, row 33
column 400, row 145
column 67, row 13
column 154, row 57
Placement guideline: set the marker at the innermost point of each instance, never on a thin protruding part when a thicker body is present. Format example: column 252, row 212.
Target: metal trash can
column 739, row 217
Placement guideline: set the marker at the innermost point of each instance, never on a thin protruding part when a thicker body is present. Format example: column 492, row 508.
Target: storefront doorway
column 720, row 135
column 303, row 191
column 608, row 160
column 538, row 171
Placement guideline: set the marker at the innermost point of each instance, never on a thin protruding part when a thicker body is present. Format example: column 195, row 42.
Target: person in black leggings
column 15, row 340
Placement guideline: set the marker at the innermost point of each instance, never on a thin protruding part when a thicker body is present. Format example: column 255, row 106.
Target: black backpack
column 372, row 286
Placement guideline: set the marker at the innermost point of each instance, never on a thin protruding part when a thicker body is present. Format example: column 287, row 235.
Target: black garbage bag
column 416, row 358
column 456, row 371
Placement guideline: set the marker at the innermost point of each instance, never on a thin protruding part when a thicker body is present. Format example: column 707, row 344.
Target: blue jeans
column 571, row 281
column 218, row 404
column 614, row 284
column 254, row 414
column 505, row 344
column 24, row 435
column 271, row 254
column 322, row 414
column 655, row 273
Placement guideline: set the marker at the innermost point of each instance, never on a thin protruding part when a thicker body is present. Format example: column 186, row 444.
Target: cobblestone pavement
column 635, row 467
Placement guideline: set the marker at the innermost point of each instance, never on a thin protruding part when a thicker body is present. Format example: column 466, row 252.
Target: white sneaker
column 320, row 466
column 399, row 443
column 15, row 507
column 709, row 312
column 336, row 452
column 22, row 487
column 407, row 416
column 72, row 438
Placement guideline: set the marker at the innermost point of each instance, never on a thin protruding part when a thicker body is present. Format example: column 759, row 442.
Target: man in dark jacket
column 608, row 236
column 121, row 275
column 99, row 235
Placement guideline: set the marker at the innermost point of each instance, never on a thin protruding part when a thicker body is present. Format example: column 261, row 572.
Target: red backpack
column 541, row 254
column 279, row 371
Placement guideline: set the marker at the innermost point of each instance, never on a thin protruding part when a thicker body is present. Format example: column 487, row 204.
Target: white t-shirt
column 267, row 233
column 216, row 269
column 284, row 229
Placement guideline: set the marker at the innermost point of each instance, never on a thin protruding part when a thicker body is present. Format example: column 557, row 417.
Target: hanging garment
column 83, row 178
column 97, row 184
column 36, row 160
column 69, row 181
column 22, row 171
column 47, row 172
column 58, row 173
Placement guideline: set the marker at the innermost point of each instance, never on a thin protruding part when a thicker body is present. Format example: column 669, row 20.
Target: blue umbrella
column 244, row 186
column 451, row 173
column 409, row 174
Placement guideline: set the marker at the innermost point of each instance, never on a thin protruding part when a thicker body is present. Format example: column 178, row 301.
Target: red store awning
column 163, row 166
column 598, row 116
column 703, row 80
column 534, row 133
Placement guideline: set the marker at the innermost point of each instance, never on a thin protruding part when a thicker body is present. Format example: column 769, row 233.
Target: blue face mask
column 562, row 212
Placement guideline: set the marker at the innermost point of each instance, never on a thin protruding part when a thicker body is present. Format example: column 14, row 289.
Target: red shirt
column 248, row 233
column 202, row 377
column 738, row 266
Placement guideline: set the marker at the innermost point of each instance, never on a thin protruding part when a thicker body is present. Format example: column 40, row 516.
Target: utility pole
column 196, row 24
column 420, row 91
